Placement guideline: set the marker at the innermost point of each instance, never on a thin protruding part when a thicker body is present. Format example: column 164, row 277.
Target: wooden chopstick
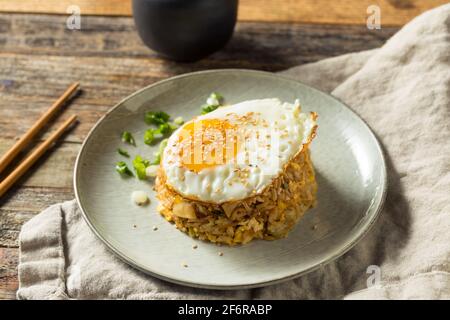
column 34, row 156
column 26, row 138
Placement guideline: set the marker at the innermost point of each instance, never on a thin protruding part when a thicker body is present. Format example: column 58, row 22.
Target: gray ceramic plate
column 350, row 170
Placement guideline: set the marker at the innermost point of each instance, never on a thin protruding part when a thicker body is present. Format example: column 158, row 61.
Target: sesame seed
column 194, row 246
column 220, row 253
column 184, row 265
column 155, row 228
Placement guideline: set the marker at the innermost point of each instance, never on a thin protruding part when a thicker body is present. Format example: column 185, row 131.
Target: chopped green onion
column 208, row 108
column 217, row 96
column 179, row 121
column 128, row 138
column 163, row 145
column 158, row 154
column 157, row 159
column 157, row 134
column 212, row 103
column 149, row 136
column 165, row 128
column 152, row 171
column 122, row 168
column 140, row 165
column 214, row 99
column 123, row 152
column 156, row 117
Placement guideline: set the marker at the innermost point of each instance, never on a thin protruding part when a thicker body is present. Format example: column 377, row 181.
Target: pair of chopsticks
column 28, row 136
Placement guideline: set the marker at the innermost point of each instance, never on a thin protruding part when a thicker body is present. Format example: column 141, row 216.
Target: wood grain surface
column 393, row 12
column 39, row 58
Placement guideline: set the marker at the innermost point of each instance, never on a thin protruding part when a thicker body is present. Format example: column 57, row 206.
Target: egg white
column 262, row 159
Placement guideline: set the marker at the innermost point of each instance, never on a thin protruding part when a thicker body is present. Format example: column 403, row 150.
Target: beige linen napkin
column 402, row 91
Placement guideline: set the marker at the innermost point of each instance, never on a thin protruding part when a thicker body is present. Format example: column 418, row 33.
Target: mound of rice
column 268, row 215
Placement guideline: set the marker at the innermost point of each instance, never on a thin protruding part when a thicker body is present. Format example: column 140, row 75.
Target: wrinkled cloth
column 402, row 90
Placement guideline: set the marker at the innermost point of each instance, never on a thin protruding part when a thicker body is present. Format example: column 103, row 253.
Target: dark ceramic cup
column 185, row 30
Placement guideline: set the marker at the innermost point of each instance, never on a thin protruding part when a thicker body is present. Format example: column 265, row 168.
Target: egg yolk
column 207, row 143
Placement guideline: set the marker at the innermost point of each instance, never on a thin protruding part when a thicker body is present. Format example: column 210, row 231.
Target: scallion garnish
column 128, row 138
column 208, row 108
column 163, row 145
column 156, row 117
column 165, row 128
column 139, row 165
column 123, row 152
column 157, row 158
column 122, row 168
column 149, row 136
column 178, row 120
column 214, row 99
column 158, row 154
column 212, row 103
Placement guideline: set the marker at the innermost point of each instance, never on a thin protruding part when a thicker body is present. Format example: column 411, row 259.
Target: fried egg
column 235, row 151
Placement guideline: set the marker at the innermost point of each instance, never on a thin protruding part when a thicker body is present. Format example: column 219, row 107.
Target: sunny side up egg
column 235, row 151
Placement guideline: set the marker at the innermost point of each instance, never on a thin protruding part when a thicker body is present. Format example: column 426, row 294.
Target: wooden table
column 39, row 58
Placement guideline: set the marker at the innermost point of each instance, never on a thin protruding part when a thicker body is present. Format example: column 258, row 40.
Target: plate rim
column 359, row 235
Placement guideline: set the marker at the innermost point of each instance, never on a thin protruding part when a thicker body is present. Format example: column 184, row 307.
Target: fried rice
column 268, row 215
